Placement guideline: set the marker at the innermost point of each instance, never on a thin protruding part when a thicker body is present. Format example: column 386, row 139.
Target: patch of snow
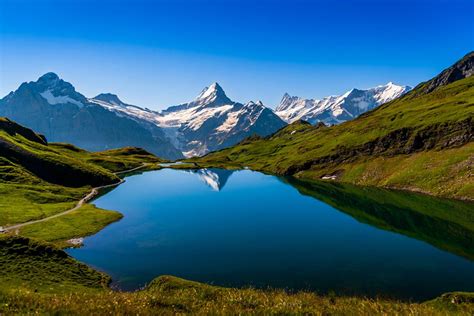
column 192, row 118
column 230, row 122
column 337, row 112
column 130, row 110
column 199, row 150
column 60, row 99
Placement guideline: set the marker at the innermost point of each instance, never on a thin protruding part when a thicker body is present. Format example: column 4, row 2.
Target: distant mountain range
column 52, row 107
column 337, row 109
column 210, row 122
column 422, row 141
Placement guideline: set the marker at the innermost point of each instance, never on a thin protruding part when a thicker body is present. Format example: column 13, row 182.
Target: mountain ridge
column 211, row 121
column 52, row 107
column 336, row 109
column 419, row 142
column 463, row 68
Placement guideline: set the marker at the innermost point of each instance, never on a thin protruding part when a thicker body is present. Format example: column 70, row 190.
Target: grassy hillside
column 83, row 222
column 114, row 160
column 37, row 266
column 26, row 157
column 21, row 203
column 420, row 142
column 38, row 179
column 20, row 154
column 38, row 278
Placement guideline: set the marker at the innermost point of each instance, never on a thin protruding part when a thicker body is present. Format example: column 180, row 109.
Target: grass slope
column 38, row 180
column 36, row 278
column 34, row 160
column 21, row 203
column 37, row 266
column 82, row 222
column 114, row 160
column 420, row 142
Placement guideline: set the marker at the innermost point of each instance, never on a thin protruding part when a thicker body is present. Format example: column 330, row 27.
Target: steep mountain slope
column 337, row 109
column 421, row 142
column 464, row 68
column 53, row 108
column 211, row 122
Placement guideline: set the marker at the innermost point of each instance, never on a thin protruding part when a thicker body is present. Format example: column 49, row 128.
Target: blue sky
column 160, row 53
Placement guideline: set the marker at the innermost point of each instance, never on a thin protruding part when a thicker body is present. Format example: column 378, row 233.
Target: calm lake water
column 245, row 228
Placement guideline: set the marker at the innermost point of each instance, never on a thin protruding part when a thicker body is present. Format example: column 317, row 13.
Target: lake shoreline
column 191, row 165
column 318, row 183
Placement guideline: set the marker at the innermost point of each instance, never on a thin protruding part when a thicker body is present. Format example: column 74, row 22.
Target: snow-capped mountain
column 337, row 109
column 210, row 122
column 112, row 103
column 209, row 96
column 52, row 107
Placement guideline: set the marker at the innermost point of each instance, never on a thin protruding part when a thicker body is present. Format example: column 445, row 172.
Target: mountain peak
column 286, row 101
column 213, row 90
column 286, row 97
column 214, row 94
column 49, row 79
column 55, row 90
column 49, row 76
column 338, row 108
column 210, row 96
column 109, row 97
column 253, row 103
column 215, row 86
column 389, row 85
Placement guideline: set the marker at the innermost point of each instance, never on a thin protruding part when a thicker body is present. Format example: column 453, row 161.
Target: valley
column 237, row 157
column 287, row 207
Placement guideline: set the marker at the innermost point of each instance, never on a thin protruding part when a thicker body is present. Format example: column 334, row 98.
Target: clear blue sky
column 160, row 53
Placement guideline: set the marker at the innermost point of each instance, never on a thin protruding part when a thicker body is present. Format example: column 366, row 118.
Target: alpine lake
column 248, row 229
